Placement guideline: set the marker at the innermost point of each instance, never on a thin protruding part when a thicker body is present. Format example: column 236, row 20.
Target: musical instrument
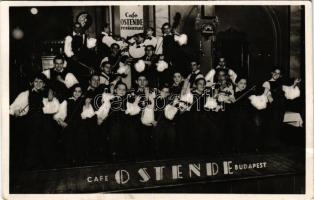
column 245, row 93
column 91, row 70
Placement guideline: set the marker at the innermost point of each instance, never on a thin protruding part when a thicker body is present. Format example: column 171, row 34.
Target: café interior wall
column 266, row 33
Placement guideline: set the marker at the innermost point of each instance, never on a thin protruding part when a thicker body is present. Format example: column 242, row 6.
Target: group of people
column 142, row 105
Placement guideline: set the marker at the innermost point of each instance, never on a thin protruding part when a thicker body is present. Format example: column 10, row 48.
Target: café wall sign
column 131, row 20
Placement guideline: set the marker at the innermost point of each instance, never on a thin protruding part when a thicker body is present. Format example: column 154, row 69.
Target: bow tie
column 149, row 38
column 138, row 46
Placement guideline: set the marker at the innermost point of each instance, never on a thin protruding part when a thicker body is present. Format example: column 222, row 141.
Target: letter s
column 144, row 175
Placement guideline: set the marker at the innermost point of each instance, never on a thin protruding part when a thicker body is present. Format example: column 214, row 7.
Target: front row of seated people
column 109, row 120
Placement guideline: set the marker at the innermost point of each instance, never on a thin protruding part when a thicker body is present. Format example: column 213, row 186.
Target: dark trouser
column 274, row 125
column 164, row 137
column 255, row 132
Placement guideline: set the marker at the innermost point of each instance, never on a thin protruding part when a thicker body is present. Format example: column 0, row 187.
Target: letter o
column 122, row 176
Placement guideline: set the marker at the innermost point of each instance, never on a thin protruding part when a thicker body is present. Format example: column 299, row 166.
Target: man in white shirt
column 149, row 38
column 79, row 48
column 221, row 65
column 195, row 74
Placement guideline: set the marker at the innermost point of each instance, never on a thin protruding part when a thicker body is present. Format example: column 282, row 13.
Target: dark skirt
column 74, row 143
column 164, row 137
column 41, row 141
column 122, row 138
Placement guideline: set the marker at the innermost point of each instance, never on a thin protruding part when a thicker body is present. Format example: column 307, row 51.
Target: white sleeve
column 70, row 80
column 152, row 42
column 199, row 76
column 291, row 92
column 122, row 44
column 232, row 75
column 132, row 108
column 103, row 111
column 47, row 73
column 170, row 111
column 131, row 40
column 108, row 40
column 87, row 112
column 20, row 104
column 50, row 107
column 266, row 85
column 62, row 111
column 210, row 76
column 259, row 102
column 68, row 46
column 148, row 116
column 159, row 49
column 91, row 42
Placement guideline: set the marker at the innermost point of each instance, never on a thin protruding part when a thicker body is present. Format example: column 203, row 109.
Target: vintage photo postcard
column 156, row 99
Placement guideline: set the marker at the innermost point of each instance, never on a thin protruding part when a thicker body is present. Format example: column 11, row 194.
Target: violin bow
column 245, row 93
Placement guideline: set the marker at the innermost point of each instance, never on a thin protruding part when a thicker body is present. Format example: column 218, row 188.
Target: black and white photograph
column 157, row 97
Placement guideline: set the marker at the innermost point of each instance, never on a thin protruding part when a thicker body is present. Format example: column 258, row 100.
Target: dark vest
column 35, row 102
column 78, row 45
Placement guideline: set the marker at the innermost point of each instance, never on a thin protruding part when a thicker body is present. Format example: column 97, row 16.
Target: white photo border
column 4, row 99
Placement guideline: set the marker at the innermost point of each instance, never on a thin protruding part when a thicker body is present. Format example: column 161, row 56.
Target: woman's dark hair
column 199, row 79
column 120, row 83
column 239, row 78
column 40, row 76
column 75, row 86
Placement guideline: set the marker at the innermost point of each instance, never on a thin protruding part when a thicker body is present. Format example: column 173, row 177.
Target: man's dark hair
column 120, row 83
column 151, row 46
column 94, row 74
column 165, row 24
column 199, row 79
column 195, row 60
column 59, row 57
column 115, row 44
column 105, row 63
column 149, row 28
column 165, row 85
